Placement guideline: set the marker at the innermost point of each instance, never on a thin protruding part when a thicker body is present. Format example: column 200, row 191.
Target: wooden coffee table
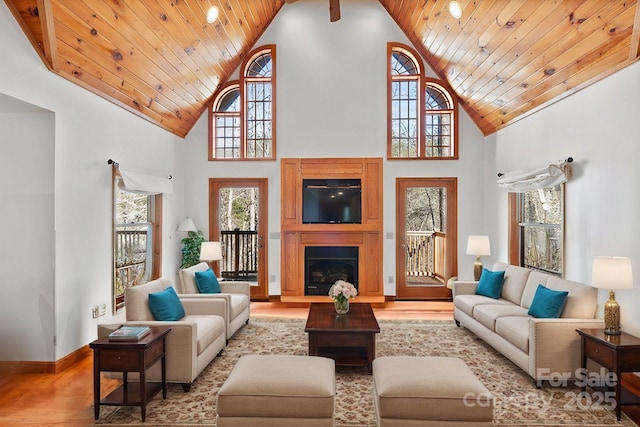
column 349, row 339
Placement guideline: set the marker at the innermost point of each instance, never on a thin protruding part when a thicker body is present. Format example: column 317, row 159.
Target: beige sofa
column 194, row 340
column 544, row 348
column 236, row 294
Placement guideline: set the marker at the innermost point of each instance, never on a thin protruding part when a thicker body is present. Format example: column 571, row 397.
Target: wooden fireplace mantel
column 367, row 236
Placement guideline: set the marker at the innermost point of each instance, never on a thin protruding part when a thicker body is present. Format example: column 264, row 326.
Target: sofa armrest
column 236, row 288
column 202, row 304
column 554, row 346
column 461, row 287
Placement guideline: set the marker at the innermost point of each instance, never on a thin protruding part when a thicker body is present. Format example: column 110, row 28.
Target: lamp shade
column 210, row 251
column 478, row 245
column 187, row 225
column 612, row 272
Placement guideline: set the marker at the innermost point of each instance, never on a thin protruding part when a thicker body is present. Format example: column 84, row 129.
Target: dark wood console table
column 130, row 356
column 349, row 339
column 618, row 354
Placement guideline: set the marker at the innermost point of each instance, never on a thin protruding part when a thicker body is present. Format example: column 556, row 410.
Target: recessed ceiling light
column 212, row 14
column 455, row 9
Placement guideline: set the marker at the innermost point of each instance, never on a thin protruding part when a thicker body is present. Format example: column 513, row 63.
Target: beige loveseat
column 236, row 294
column 194, row 340
column 544, row 348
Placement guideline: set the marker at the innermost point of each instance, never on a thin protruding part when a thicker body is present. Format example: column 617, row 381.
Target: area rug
column 517, row 401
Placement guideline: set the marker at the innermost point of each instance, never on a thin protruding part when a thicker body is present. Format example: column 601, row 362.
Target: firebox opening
column 324, row 265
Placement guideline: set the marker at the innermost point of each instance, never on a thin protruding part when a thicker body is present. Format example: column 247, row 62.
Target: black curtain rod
column 568, row 160
column 113, row 162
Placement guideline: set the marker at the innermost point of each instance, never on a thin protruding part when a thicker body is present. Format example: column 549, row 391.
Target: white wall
column 599, row 128
column 27, row 230
column 332, row 102
column 75, row 141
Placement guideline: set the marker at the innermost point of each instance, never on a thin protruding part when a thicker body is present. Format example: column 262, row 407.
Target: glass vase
column 342, row 305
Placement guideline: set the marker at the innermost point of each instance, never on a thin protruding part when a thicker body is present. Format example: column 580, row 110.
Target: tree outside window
column 542, row 229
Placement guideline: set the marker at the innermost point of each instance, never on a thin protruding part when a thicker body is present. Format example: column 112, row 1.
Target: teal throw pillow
column 207, row 282
column 490, row 284
column 165, row 305
column 548, row 303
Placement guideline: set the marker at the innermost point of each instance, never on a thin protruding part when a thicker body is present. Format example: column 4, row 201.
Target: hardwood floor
column 66, row 398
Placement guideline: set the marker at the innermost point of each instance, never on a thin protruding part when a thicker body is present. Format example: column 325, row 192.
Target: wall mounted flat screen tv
column 331, row 201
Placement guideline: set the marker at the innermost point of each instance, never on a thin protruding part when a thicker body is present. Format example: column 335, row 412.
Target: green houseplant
column 191, row 249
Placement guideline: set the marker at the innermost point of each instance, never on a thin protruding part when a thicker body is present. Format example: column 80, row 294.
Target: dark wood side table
column 349, row 339
column 618, row 354
column 130, row 356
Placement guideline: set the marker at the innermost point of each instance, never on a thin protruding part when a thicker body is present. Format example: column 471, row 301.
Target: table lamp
column 210, row 251
column 187, row 225
column 612, row 273
column 478, row 246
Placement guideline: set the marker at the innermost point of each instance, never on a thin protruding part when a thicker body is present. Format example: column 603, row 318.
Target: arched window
column 439, row 118
column 404, row 94
column 226, row 124
column 259, row 104
column 242, row 114
column 422, row 112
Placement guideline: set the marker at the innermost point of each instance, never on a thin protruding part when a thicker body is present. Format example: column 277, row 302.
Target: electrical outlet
column 99, row 310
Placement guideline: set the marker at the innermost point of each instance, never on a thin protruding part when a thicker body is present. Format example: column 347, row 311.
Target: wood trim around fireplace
column 367, row 236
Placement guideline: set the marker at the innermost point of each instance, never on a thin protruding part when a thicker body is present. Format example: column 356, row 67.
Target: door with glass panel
column 238, row 220
column 426, row 244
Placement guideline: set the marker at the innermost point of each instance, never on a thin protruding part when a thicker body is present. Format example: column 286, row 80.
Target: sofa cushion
column 207, row 282
column 514, row 329
column 515, row 278
column 488, row 313
column 188, row 278
column 238, row 303
column 208, row 328
column 165, row 305
column 535, row 278
column 137, row 298
column 490, row 284
column 581, row 301
column 548, row 303
column 467, row 302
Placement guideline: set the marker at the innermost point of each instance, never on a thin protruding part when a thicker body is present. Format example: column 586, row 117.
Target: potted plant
column 191, row 248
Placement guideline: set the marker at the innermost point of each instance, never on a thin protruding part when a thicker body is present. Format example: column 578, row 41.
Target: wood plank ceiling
column 161, row 59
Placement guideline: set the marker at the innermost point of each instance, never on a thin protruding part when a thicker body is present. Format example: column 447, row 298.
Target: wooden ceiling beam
column 48, row 34
column 27, row 31
column 634, row 52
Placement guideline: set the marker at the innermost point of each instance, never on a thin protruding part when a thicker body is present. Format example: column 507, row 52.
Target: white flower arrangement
column 342, row 290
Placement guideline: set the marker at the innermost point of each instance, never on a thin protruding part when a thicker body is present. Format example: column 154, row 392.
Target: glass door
column 238, row 220
column 426, row 218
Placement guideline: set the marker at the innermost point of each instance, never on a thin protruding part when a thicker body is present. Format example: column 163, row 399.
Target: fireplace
column 324, row 265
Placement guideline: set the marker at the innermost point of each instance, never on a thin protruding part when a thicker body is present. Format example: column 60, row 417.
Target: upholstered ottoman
column 278, row 391
column 429, row 391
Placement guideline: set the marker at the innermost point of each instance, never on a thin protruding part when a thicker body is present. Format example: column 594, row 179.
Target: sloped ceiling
column 162, row 61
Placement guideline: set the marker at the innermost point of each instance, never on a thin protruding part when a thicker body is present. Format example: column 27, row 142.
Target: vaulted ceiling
column 162, row 60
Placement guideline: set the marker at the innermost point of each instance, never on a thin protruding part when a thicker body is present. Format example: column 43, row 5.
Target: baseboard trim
column 26, row 367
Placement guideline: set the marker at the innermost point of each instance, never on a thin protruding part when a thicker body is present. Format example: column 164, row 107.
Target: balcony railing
column 239, row 255
column 131, row 259
column 425, row 254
